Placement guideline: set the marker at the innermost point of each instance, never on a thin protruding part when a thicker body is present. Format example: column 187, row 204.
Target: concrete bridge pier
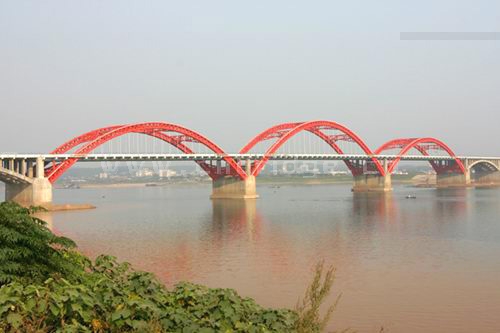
column 36, row 192
column 233, row 187
column 373, row 182
column 453, row 180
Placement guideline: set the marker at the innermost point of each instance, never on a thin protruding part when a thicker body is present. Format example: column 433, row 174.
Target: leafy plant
column 115, row 298
column 28, row 250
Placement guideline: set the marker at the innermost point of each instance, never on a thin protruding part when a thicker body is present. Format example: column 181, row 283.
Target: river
column 430, row 264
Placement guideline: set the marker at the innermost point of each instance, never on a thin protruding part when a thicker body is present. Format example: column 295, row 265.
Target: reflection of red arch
column 285, row 132
column 98, row 137
column 423, row 145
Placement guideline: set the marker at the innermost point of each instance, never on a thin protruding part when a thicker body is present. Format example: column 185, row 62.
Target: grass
column 309, row 307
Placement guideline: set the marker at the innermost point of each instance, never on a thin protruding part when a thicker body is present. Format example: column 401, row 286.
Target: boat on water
column 411, row 196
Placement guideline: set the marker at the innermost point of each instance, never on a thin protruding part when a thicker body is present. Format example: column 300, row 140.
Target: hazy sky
column 230, row 69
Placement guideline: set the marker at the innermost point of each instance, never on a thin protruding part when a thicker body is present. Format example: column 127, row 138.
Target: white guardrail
column 198, row 157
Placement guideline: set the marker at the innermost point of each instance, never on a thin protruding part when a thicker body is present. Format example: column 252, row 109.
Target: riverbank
column 262, row 180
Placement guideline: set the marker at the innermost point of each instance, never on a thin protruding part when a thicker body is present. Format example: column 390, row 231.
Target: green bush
column 114, row 298
column 28, row 250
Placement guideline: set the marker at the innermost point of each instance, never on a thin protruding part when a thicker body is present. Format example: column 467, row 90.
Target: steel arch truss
column 284, row 132
column 424, row 146
column 175, row 135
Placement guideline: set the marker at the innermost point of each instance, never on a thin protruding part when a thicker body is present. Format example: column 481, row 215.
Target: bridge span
column 47, row 158
column 29, row 177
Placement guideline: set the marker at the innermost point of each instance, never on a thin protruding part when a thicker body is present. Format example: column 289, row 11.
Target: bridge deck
column 205, row 157
column 9, row 176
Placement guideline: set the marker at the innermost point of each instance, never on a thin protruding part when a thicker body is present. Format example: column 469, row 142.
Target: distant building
column 167, row 173
column 144, row 173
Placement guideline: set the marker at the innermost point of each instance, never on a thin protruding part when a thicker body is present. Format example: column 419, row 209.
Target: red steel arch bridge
column 29, row 177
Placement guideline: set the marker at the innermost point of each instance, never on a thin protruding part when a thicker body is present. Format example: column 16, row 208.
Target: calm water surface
column 425, row 265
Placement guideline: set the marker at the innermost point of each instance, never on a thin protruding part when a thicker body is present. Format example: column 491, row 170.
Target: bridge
column 29, row 177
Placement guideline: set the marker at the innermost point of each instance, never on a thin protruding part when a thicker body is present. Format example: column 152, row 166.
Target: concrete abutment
column 487, row 179
column 453, row 180
column 38, row 193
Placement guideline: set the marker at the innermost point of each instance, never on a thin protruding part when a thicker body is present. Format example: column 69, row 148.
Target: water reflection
column 374, row 207
column 235, row 218
column 400, row 261
column 452, row 201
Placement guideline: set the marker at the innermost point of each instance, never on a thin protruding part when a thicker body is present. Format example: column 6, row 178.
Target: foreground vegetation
column 47, row 286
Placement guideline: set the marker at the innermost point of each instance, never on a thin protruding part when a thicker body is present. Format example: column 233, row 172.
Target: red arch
column 285, row 132
column 423, row 145
column 270, row 133
column 76, row 141
column 89, row 136
column 94, row 139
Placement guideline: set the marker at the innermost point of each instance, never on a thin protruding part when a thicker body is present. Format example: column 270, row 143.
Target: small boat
column 411, row 196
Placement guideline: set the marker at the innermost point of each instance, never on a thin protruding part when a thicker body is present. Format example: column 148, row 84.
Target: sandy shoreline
column 66, row 207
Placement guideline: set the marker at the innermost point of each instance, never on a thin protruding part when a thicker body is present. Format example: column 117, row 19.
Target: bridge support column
column 23, row 167
column 38, row 193
column 453, row 180
column 30, row 169
column 372, row 183
column 230, row 187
